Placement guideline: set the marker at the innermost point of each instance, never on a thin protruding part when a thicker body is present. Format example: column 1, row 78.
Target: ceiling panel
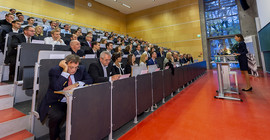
column 135, row 5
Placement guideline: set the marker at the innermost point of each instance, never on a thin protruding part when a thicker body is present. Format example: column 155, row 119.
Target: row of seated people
column 88, row 44
column 69, row 74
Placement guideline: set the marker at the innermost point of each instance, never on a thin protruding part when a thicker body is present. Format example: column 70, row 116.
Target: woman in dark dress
column 131, row 62
column 243, row 60
column 117, row 65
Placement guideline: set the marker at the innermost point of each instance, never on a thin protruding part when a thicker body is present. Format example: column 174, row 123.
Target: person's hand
column 71, row 86
column 115, row 77
column 63, row 65
column 236, row 53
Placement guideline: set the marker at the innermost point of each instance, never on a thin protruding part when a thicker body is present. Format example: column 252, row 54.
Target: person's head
column 21, row 18
column 239, row 38
column 39, row 30
column 131, row 59
column 110, row 38
column 181, row 56
column 145, row 48
column 29, row 31
column 44, row 20
column 117, row 57
column 66, row 27
column 55, row 34
column 161, row 49
column 94, row 29
column 52, row 24
column 31, row 20
column 128, row 48
column 57, row 23
column 72, row 62
column 18, row 13
column 89, row 33
column 106, row 34
column 118, row 49
column 105, row 58
column 153, row 55
column 169, row 55
column 109, row 46
column 9, row 17
column 143, row 58
column 152, row 49
column 16, row 24
column 75, row 45
column 12, row 11
column 73, row 37
column 138, row 47
column 88, row 38
column 95, row 45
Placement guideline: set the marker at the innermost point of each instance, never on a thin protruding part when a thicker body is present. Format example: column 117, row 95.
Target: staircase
column 14, row 125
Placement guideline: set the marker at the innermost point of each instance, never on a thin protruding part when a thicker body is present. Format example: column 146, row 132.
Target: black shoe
column 250, row 89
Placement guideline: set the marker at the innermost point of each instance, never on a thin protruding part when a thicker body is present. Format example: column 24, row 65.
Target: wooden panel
column 174, row 25
column 99, row 16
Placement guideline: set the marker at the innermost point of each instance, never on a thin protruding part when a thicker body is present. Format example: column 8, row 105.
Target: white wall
column 264, row 11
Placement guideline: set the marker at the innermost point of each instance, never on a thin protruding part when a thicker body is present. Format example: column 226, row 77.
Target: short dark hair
column 21, row 15
column 30, row 18
column 108, row 44
column 66, row 25
column 8, row 14
column 27, row 27
column 18, row 13
column 11, row 9
column 72, row 58
column 94, row 43
column 151, row 53
column 14, row 21
column 241, row 37
column 115, row 56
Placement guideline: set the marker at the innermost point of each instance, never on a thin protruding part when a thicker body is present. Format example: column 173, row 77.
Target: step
column 12, row 121
column 6, row 89
column 21, row 135
column 6, row 101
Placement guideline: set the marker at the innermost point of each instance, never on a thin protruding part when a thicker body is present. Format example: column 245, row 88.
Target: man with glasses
column 68, row 75
column 102, row 70
column 28, row 33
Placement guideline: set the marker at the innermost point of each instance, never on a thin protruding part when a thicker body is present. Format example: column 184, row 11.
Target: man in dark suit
column 138, row 50
column 8, row 19
column 153, row 60
column 73, row 37
column 95, row 49
column 87, row 42
column 15, row 28
column 66, row 76
column 109, row 47
column 102, row 70
column 75, row 48
column 28, row 33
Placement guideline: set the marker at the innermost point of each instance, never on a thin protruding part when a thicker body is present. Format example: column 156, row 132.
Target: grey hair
column 73, row 58
column 102, row 55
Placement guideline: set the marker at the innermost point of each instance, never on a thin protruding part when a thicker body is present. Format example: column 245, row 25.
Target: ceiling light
column 126, row 5
column 115, row 0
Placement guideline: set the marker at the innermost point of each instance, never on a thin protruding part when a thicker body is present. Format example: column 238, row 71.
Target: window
column 221, row 18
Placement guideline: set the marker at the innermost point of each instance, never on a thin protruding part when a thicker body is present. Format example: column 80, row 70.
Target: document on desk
column 90, row 56
column 144, row 71
column 124, row 76
column 157, row 69
column 167, row 67
column 38, row 41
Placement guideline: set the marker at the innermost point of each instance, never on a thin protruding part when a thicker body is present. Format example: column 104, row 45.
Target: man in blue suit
column 153, row 60
column 66, row 76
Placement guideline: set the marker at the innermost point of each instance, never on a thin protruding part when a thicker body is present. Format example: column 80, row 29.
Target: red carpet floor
column 194, row 114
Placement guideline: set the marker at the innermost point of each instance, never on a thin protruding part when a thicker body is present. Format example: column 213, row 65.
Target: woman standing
column 243, row 60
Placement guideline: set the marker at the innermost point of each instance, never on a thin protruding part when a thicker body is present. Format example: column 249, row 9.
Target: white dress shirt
column 49, row 40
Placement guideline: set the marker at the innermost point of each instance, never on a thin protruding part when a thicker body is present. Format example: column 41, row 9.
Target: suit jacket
column 128, row 69
column 58, row 82
column 84, row 43
column 5, row 30
column 79, row 52
column 96, row 72
column 151, row 62
column 116, row 70
column 12, row 49
column 90, row 51
column 136, row 53
column 159, row 54
column 4, row 22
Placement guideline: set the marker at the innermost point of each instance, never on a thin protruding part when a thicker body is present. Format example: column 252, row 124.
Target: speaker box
column 244, row 4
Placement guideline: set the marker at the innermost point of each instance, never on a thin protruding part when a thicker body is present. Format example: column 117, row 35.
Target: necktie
column 69, row 81
column 28, row 40
column 105, row 72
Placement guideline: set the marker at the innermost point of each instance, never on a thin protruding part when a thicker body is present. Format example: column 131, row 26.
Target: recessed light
column 115, row 0
column 126, row 5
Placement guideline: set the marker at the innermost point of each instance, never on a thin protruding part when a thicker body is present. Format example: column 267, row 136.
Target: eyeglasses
column 31, row 30
column 69, row 67
column 107, row 60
